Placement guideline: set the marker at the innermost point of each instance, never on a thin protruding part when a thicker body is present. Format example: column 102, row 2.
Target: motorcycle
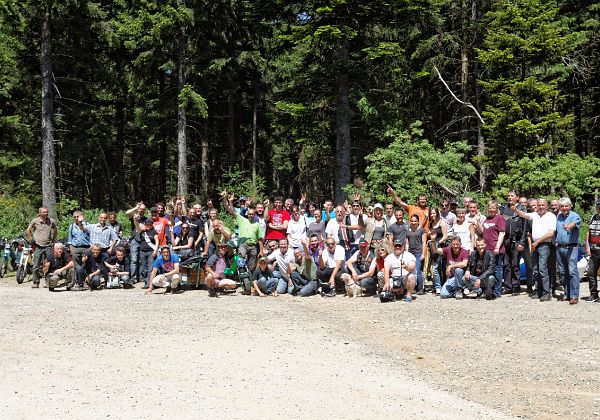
column 24, row 258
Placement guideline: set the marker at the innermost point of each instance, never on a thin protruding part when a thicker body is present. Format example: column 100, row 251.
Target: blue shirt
column 564, row 237
column 77, row 237
column 164, row 266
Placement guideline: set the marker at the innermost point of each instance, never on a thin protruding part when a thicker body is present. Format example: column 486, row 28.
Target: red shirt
column 463, row 255
column 276, row 218
column 492, row 226
column 160, row 226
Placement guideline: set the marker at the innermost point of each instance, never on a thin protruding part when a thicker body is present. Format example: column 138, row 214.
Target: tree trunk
column 204, row 162
column 182, row 171
column 342, row 149
column 254, row 139
column 464, row 68
column 48, row 167
column 479, row 105
column 231, row 119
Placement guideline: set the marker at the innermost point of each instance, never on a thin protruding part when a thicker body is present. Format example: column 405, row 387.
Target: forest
column 105, row 103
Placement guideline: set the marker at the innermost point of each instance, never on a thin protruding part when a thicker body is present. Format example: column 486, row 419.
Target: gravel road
column 120, row 354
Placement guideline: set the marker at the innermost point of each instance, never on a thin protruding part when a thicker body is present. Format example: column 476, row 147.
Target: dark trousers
column 512, row 271
column 325, row 274
column 526, row 254
column 552, row 268
column 146, row 263
column 592, row 271
column 40, row 251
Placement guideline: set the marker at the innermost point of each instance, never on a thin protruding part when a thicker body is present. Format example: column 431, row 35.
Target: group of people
column 299, row 248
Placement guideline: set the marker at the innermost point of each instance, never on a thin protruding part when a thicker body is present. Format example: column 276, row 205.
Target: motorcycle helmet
column 387, row 296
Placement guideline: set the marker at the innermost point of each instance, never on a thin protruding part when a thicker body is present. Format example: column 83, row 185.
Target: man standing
column 251, row 242
column 567, row 240
column 397, row 230
column 543, row 229
column 137, row 217
column 447, row 215
column 277, row 220
column 514, row 243
column 103, row 234
column 592, row 247
column 43, row 231
column 389, row 214
column 420, row 209
column 341, row 232
column 78, row 238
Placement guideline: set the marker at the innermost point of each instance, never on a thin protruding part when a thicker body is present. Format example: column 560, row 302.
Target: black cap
column 398, row 242
column 148, row 221
column 453, row 201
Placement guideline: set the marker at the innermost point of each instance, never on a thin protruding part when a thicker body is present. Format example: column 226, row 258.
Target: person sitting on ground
column 304, row 272
column 93, row 270
column 330, row 269
column 251, row 242
column 117, row 267
column 215, row 268
column 457, row 260
column 263, row 282
column 218, row 234
column 479, row 277
column 58, row 265
column 282, row 258
column 399, row 272
column 378, row 266
column 165, row 272
column 361, row 268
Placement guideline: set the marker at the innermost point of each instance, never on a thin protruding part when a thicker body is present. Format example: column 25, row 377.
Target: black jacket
column 489, row 264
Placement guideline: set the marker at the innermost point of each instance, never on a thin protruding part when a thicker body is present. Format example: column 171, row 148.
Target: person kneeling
column 263, row 282
column 215, row 270
column 165, row 272
column 479, row 277
column 399, row 272
column 58, row 265
column 117, row 270
column 457, row 259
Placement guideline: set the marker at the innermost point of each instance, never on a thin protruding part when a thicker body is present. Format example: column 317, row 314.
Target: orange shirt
column 412, row 209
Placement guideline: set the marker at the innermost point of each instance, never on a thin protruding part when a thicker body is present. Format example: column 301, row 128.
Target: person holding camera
column 399, row 272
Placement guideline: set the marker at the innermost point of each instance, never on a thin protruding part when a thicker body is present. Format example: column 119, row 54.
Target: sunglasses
column 330, row 244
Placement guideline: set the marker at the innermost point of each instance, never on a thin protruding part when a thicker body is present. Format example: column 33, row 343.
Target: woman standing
column 438, row 235
column 417, row 239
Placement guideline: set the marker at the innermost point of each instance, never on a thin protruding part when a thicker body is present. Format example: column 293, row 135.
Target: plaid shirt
column 102, row 235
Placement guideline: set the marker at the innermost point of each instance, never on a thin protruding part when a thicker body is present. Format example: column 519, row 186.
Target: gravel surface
column 120, row 354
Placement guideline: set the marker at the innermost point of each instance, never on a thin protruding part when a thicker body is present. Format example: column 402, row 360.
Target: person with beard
column 277, row 219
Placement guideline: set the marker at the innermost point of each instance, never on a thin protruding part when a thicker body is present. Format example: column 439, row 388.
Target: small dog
column 352, row 288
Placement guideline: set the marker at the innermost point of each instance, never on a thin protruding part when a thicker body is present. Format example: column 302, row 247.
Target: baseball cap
column 243, row 198
column 453, row 201
column 398, row 242
column 148, row 221
column 154, row 209
column 378, row 206
column 363, row 242
column 262, row 259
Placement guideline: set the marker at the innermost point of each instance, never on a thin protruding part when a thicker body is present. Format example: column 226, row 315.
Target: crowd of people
column 392, row 251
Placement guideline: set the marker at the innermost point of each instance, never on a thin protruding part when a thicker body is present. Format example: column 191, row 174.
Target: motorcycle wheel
column 20, row 274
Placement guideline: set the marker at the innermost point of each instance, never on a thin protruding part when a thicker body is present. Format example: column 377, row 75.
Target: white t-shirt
column 332, row 230
column 464, row 233
column 395, row 263
column 358, row 234
column 296, row 231
column 390, row 220
column 542, row 224
column 283, row 261
column 331, row 260
column 450, row 220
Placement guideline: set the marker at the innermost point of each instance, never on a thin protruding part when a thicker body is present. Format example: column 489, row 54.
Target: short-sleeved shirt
column 450, row 219
column 249, row 230
column 137, row 223
column 492, row 226
column 412, row 210
column 316, row 229
column 594, row 232
column 43, row 231
column 398, row 231
column 463, row 255
column 196, row 225
column 330, row 259
column 147, row 241
column 296, row 231
column 92, row 264
column 60, row 262
column 160, row 226
column 541, row 225
column 122, row 265
column 217, row 237
column 164, row 266
column 277, row 218
column 258, row 273
column 395, row 263
column 283, row 261
column 564, row 237
column 415, row 240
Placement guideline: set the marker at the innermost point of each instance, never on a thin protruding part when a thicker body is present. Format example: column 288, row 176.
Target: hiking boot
column 591, row 298
column 488, row 288
column 459, row 294
column 546, row 298
column 212, row 292
column 77, row 288
column 35, row 285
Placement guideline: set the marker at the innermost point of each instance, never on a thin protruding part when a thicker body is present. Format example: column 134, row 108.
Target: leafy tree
column 412, row 165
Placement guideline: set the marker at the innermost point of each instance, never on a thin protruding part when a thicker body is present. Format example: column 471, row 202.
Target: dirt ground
column 121, row 354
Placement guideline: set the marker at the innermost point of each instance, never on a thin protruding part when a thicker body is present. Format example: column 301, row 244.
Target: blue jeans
column 267, row 284
column 437, row 280
column 419, row 272
column 540, row 268
column 499, row 275
column 454, row 284
column 134, row 255
column 302, row 285
column 471, row 284
column 146, row 265
column 567, row 264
